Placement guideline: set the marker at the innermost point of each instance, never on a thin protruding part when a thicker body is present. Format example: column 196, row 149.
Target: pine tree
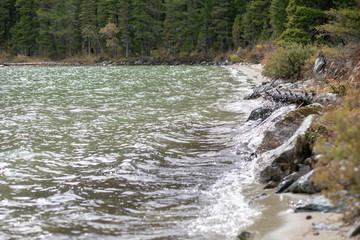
column 255, row 20
column 146, row 24
column 25, row 32
column 237, row 28
column 7, row 21
column 345, row 24
column 278, row 16
column 221, row 23
column 57, row 27
column 103, row 15
column 205, row 33
column 175, row 26
column 89, row 29
column 304, row 15
column 124, row 21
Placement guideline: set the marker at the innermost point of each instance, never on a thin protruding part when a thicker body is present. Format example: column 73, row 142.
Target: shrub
column 235, row 58
column 4, row 56
column 287, row 62
column 339, row 167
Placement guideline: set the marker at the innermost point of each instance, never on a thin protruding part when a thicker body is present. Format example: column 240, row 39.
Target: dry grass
column 88, row 59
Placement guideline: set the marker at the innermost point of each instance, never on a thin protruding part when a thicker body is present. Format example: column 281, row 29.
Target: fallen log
column 301, row 98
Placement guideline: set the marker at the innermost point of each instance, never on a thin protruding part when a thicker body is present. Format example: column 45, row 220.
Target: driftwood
column 300, row 98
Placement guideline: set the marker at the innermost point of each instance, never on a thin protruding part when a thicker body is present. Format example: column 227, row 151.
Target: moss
column 300, row 113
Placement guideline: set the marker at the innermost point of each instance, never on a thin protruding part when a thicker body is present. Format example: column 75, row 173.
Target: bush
column 235, row 58
column 287, row 62
column 339, row 167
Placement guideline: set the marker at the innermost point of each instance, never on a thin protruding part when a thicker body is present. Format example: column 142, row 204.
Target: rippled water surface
column 121, row 153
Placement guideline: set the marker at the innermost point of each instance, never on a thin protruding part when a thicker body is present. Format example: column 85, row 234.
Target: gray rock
column 319, row 67
column 319, row 204
column 262, row 195
column 287, row 181
column 244, row 236
column 271, row 174
column 355, row 229
column 325, row 226
column 303, row 169
column 286, row 157
column 271, row 185
column 260, row 113
column 276, row 82
column 304, row 185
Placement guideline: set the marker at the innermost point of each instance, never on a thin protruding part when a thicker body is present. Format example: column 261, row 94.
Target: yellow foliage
column 339, row 167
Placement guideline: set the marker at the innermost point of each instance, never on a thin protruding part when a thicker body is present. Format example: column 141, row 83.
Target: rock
column 271, row 185
column 308, row 161
column 286, row 127
column 276, row 82
column 287, row 181
column 355, row 229
column 304, row 185
column 325, row 226
column 244, row 236
column 319, row 204
column 271, row 174
column 262, row 195
column 319, row 67
column 284, row 159
column 260, row 113
column 303, row 169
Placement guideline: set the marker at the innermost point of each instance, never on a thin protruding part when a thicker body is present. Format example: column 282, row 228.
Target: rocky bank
column 285, row 157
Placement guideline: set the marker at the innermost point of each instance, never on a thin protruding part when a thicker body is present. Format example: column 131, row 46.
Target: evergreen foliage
column 278, row 16
column 63, row 28
column 345, row 24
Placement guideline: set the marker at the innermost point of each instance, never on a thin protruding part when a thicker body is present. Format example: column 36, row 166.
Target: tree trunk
column 89, row 47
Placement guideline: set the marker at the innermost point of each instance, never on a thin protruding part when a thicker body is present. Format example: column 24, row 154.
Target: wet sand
column 279, row 222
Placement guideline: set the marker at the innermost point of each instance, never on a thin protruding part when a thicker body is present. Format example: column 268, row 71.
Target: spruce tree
column 146, row 24
column 304, row 15
column 278, row 16
column 8, row 18
column 205, row 34
column 221, row 23
column 26, row 30
column 255, row 20
column 237, row 27
column 124, row 22
column 89, row 29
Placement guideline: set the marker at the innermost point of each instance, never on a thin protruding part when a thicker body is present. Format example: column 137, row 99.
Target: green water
column 115, row 152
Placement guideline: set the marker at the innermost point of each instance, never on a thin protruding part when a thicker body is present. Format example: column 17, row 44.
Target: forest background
column 163, row 30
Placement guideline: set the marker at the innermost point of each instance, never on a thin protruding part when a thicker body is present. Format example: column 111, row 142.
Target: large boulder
column 319, row 204
column 286, row 127
column 304, row 185
column 285, row 147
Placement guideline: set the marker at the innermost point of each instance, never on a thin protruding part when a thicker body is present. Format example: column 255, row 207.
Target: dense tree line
column 123, row 28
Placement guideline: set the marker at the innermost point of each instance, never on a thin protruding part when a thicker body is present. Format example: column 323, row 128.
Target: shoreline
column 278, row 220
column 109, row 63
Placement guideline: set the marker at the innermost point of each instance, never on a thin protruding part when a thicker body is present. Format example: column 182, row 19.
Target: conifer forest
column 58, row 29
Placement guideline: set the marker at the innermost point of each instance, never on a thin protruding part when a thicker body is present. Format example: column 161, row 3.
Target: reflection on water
column 121, row 153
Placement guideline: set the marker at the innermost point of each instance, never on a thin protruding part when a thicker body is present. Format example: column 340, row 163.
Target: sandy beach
column 279, row 222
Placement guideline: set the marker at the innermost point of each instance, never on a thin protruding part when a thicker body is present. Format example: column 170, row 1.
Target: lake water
column 142, row 152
